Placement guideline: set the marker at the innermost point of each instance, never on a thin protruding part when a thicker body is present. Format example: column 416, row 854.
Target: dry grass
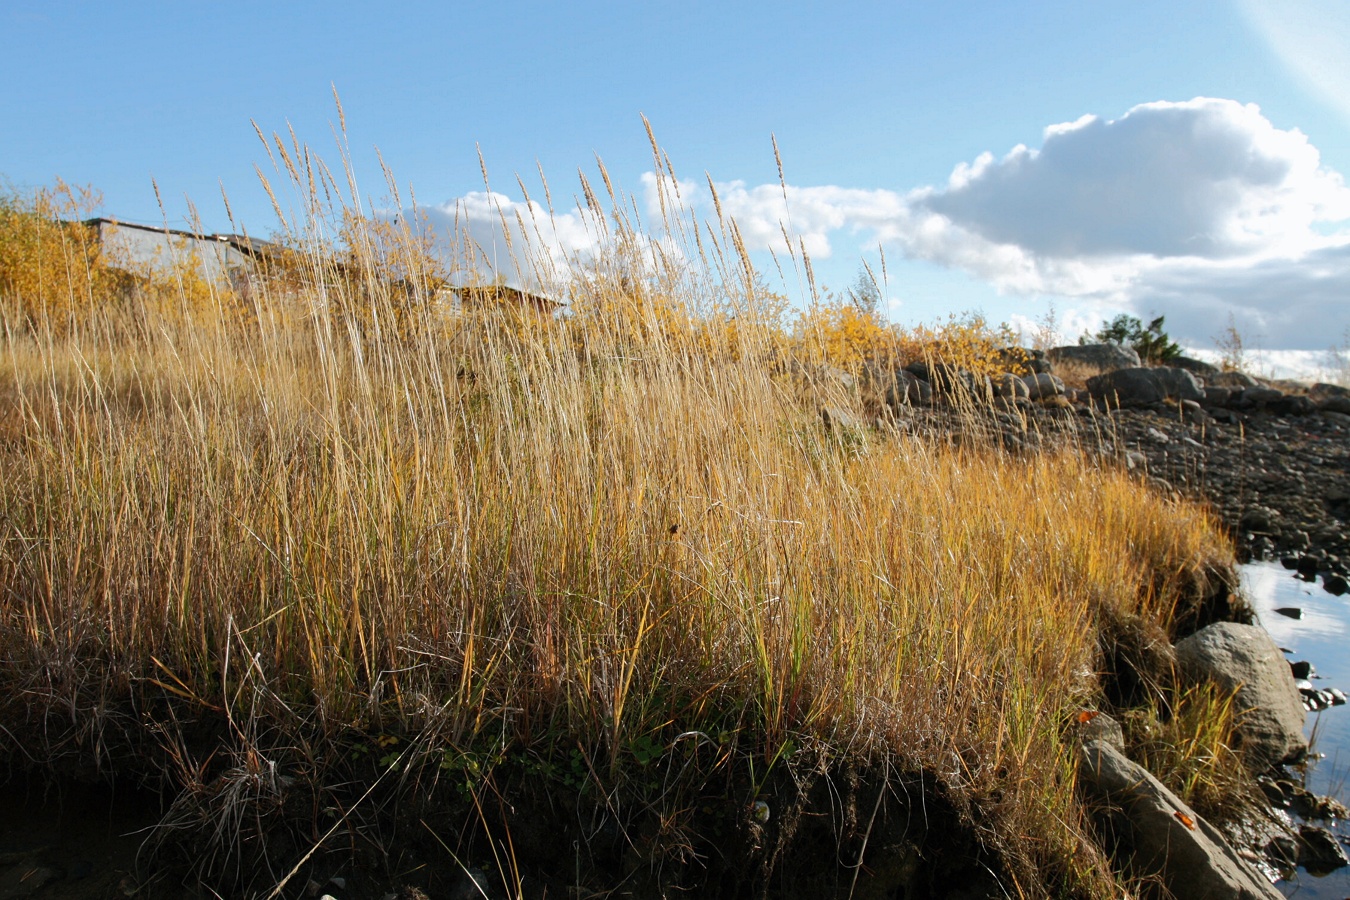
column 499, row 534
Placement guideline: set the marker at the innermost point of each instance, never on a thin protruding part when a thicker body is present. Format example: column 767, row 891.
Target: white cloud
column 1193, row 209
column 484, row 233
column 1196, row 210
column 1207, row 178
column 765, row 213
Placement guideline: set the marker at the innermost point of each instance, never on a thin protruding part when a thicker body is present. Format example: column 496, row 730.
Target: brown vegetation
column 356, row 535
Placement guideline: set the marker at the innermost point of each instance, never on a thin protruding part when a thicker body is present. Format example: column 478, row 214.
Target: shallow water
column 1321, row 636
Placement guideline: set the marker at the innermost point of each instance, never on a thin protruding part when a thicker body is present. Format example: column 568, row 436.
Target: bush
column 1151, row 343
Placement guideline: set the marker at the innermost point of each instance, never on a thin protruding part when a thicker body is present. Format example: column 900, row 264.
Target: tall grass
column 604, row 531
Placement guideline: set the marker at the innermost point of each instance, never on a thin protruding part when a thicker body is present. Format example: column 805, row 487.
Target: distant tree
column 864, row 293
column 1150, row 342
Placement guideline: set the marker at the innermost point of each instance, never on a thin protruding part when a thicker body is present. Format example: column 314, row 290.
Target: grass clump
column 505, row 558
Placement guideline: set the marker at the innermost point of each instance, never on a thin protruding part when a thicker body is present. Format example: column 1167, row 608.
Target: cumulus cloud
column 483, row 234
column 1197, row 209
column 1201, row 210
column 768, row 214
column 1208, row 178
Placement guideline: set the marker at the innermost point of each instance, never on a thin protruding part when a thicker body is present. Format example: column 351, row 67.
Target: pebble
column 1302, row 669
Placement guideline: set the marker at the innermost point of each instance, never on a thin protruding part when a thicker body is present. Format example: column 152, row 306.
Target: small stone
column 1319, row 852
column 1292, row 612
column 1335, row 584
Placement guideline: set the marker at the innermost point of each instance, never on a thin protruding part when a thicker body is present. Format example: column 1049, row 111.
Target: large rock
column 908, row 389
column 1323, row 391
column 1009, row 387
column 1331, row 397
column 1140, row 386
column 1245, row 658
column 1099, row 356
column 1159, row 836
column 954, row 383
column 1042, row 385
column 1195, row 366
column 1235, row 380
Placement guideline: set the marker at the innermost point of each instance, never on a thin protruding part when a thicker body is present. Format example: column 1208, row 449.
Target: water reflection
column 1319, row 636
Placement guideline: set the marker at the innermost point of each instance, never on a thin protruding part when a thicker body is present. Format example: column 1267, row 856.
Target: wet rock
column 1290, row 612
column 1335, row 584
column 1159, row 836
column 1302, row 669
column 1318, row 850
column 1261, row 519
column 1243, row 658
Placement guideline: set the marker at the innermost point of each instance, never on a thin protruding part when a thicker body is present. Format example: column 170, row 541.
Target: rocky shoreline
column 1271, row 458
column 1273, row 462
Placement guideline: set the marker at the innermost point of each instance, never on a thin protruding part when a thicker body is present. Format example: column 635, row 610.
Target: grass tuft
column 356, row 531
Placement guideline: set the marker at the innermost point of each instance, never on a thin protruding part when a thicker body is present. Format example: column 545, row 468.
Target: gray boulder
column 1159, row 836
column 1100, row 356
column 1218, row 396
column 1196, row 367
column 1042, row 385
column 838, row 420
column 1331, row 397
column 1235, row 380
column 1245, row 658
column 1322, row 391
column 1009, row 387
column 1258, row 396
column 908, row 389
column 1140, row 386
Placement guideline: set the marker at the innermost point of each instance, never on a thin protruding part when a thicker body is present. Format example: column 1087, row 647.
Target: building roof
column 243, row 243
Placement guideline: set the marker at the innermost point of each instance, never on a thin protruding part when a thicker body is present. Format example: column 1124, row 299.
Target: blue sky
column 899, row 125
